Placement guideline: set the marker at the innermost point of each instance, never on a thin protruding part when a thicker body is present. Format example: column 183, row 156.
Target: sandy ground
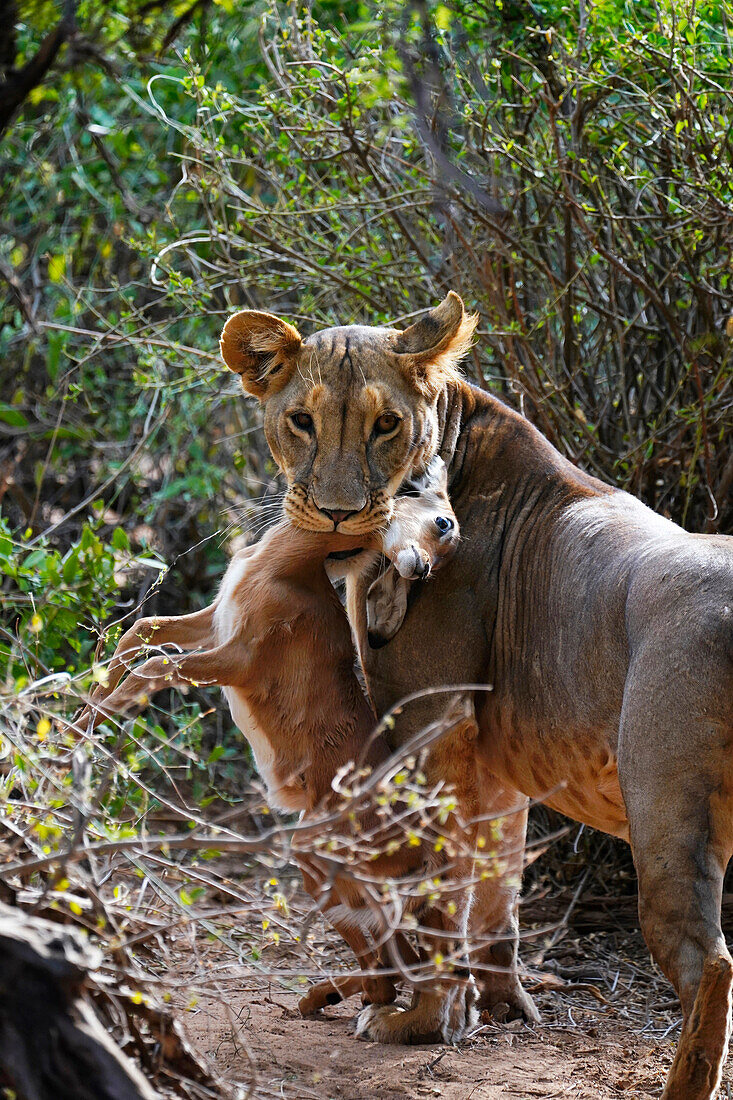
column 610, row 1023
column 321, row 1058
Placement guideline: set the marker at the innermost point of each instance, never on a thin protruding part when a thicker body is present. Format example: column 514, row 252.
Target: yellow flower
column 281, row 904
column 100, row 675
column 43, row 729
column 36, row 624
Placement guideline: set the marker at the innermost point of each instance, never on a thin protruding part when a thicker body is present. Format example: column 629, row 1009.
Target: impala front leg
column 225, row 666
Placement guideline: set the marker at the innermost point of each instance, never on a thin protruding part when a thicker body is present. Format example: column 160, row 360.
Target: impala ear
column 434, row 345
column 261, row 349
column 386, row 607
column 434, row 477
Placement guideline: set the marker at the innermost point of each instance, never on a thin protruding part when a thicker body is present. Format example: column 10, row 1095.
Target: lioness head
column 349, row 412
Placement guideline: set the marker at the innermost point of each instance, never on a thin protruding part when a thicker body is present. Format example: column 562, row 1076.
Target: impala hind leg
column 374, row 988
column 330, row 992
column 363, row 931
column 673, row 777
column 185, row 631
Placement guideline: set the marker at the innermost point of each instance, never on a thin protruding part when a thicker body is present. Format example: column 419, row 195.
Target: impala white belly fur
column 226, row 624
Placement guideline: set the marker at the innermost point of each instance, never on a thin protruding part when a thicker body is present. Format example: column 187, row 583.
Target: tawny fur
column 606, row 631
column 698, row 1064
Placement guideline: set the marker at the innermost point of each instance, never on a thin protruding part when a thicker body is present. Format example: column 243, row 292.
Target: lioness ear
column 260, row 348
column 434, row 345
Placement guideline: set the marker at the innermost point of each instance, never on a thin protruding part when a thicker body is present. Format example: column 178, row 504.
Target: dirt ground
column 321, row 1058
column 609, row 1029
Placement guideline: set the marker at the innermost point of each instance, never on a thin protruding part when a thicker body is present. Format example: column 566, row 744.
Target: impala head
column 423, row 533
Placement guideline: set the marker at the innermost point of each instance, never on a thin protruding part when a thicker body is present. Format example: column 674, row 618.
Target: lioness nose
column 337, row 517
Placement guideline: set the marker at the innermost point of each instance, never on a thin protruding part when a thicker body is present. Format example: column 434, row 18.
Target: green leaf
column 11, row 416
column 443, row 17
column 35, row 560
column 70, row 567
column 56, row 268
column 119, row 540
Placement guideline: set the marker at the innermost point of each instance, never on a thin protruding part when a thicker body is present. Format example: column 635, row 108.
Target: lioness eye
column 443, row 524
column 386, row 423
column 302, row 420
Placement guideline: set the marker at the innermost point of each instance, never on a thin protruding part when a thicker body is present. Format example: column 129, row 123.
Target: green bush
column 567, row 169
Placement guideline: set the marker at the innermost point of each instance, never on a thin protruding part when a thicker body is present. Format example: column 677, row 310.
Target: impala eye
column 444, row 524
column 302, row 420
column 386, row 423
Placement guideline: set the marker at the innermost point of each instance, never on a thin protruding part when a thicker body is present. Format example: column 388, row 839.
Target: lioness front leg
column 493, row 923
column 443, row 1008
column 494, row 818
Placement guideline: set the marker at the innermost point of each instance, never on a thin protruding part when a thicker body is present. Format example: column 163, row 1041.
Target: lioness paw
column 505, row 1005
column 395, row 1026
column 435, row 1018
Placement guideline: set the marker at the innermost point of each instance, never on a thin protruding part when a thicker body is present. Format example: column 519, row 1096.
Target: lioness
column 606, row 631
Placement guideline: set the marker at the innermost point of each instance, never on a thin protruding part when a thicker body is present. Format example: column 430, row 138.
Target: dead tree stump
column 52, row 1045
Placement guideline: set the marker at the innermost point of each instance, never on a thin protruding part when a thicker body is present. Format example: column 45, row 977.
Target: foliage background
column 566, row 168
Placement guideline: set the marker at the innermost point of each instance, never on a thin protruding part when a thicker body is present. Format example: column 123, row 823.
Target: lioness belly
column 575, row 775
